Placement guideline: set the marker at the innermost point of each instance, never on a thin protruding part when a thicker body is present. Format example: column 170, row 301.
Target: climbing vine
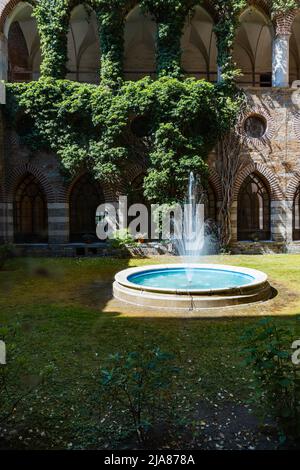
column 111, row 20
column 225, row 29
column 52, row 17
column 93, row 126
column 170, row 16
column 283, row 6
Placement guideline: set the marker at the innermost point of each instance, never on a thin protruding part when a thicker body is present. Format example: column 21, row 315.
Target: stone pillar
column 280, row 60
column 111, row 24
column 3, row 57
column 234, row 221
column 6, row 222
column 168, row 57
column 58, row 223
column 278, row 221
column 289, row 221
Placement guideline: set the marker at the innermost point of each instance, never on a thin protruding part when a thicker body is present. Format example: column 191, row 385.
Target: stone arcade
column 40, row 213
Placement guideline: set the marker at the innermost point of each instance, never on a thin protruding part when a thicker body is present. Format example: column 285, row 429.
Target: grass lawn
column 61, row 316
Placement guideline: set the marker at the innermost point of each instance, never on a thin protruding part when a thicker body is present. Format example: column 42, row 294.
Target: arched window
column 198, row 44
column 253, row 210
column 139, row 45
column 24, row 55
column 85, row 197
column 83, row 46
column 30, row 212
column 296, row 215
column 253, row 49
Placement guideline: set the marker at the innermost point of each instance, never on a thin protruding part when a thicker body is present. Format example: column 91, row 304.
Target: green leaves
column 91, row 125
column 276, row 380
column 170, row 16
column 228, row 17
column 283, row 6
column 140, row 382
column 111, row 20
column 52, row 18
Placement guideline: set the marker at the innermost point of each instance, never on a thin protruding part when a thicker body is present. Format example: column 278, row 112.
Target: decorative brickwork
column 267, row 176
column 215, row 181
column 274, row 156
column 283, row 23
column 292, row 187
column 270, row 127
column 6, row 7
column 16, row 174
column 134, row 171
column 110, row 194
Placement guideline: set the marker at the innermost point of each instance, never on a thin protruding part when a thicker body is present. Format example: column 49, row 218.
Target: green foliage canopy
column 88, row 125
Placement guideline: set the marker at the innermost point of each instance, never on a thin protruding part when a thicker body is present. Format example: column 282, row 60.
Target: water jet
column 191, row 285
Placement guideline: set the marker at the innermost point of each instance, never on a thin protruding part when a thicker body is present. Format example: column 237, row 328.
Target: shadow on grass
column 68, row 319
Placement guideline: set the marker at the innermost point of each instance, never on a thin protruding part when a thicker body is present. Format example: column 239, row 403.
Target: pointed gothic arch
column 30, row 211
column 254, row 209
column 199, row 45
column 253, row 47
column 211, row 203
column 139, row 45
column 84, row 56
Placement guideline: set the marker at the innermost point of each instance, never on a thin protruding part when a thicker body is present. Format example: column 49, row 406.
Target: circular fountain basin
column 191, row 287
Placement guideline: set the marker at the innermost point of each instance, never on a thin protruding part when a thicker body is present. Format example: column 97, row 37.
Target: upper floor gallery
column 265, row 53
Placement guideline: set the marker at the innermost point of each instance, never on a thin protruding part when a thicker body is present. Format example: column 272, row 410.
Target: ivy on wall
column 111, row 20
column 52, row 17
column 89, row 125
column 170, row 17
column 53, row 22
column 283, row 6
column 228, row 13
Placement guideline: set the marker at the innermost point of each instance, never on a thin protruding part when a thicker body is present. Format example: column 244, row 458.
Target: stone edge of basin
column 174, row 299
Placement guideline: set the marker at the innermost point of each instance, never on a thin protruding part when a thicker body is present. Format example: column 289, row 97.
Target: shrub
column 141, row 383
column 276, row 380
column 121, row 239
column 90, row 126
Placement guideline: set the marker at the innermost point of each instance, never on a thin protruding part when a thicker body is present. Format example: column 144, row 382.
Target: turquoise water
column 193, row 279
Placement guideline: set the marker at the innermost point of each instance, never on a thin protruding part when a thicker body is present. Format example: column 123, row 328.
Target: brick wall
column 275, row 157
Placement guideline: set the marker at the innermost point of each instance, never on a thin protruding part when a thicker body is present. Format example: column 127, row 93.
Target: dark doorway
column 30, row 212
column 253, row 210
column 85, row 197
